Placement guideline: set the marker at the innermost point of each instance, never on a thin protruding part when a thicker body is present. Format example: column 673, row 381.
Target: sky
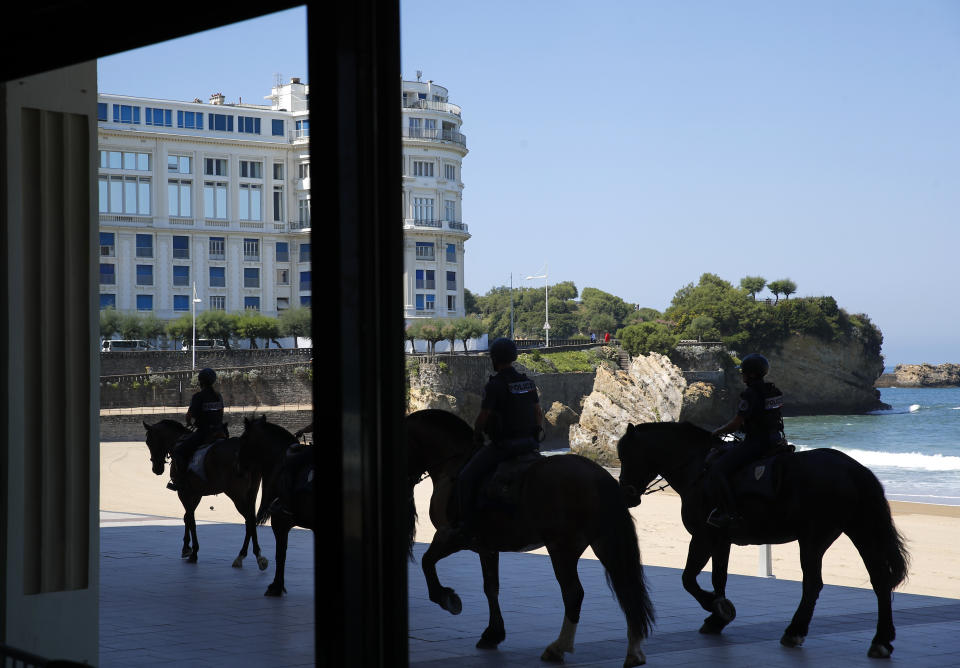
column 633, row 146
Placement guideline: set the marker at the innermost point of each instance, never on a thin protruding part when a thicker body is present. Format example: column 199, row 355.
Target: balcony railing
column 436, row 224
column 431, row 105
column 435, row 134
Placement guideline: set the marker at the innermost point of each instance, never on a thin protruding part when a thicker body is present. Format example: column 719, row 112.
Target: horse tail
column 618, row 549
column 267, row 493
column 875, row 532
column 412, row 524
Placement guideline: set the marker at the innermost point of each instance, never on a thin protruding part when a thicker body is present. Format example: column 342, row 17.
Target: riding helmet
column 755, row 364
column 207, row 377
column 503, row 351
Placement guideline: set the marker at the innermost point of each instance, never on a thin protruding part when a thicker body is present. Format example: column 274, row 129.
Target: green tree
column 784, row 287
column 469, row 302
column 109, row 322
column 701, row 328
column 753, row 285
column 130, row 326
column 181, row 329
column 468, row 328
column 601, row 311
column 253, row 325
column 642, row 315
column 153, row 327
column 217, row 325
column 295, row 322
column 647, row 337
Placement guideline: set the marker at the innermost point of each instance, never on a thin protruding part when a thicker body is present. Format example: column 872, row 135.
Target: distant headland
column 921, row 375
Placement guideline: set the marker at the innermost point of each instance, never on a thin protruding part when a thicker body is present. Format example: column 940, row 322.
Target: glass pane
column 116, row 196
column 130, row 196
column 143, row 206
column 208, row 202
column 116, row 160
column 129, row 160
column 221, row 202
column 185, row 205
column 143, row 162
column 172, row 199
column 184, row 164
column 103, row 195
column 255, row 204
column 244, row 202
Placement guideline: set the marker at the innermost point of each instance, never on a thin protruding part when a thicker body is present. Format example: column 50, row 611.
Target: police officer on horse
column 510, row 414
column 759, row 418
column 206, row 413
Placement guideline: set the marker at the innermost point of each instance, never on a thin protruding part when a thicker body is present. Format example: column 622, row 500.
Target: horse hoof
column 632, row 661
column 237, row 563
column 192, row 559
column 451, row 602
column 723, row 608
column 552, row 655
column 262, row 563
column 273, row 591
column 712, row 625
column 490, row 640
column 185, row 552
column 788, row 640
column 880, row 650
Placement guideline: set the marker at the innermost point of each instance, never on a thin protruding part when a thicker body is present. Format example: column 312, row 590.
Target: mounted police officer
column 510, row 415
column 759, row 418
column 206, row 413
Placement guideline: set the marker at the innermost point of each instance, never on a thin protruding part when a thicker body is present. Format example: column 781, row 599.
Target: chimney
column 217, row 98
column 294, row 80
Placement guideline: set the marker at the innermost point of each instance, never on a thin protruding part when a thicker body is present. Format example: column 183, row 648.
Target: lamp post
column 193, row 346
column 546, row 303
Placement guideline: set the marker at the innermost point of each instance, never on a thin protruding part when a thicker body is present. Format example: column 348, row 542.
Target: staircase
column 624, row 361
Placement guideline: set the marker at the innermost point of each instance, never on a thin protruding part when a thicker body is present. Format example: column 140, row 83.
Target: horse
column 268, row 443
column 821, row 494
column 223, row 476
column 566, row 503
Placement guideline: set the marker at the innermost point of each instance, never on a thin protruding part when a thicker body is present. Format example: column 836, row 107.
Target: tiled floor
column 157, row 610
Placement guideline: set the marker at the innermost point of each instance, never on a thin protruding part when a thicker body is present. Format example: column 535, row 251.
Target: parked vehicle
column 204, row 344
column 124, row 345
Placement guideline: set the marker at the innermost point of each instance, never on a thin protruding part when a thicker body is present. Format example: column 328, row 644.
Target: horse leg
column 698, row 554
column 811, row 562
column 564, row 561
column 440, row 547
column 721, row 608
column 881, row 647
column 494, row 634
column 187, row 550
column 280, row 531
column 190, row 504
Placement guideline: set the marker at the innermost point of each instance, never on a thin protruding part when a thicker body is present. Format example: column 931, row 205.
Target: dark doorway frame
column 354, row 48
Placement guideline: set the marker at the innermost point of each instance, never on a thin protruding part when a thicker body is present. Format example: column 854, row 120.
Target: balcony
column 435, row 134
column 453, row 225
column 430, row 105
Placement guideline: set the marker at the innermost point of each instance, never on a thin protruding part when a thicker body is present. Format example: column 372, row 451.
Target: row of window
column 133, row 195
column 183, row 164
column 217, row 276
column 193, row 120
column 428, row 302
column 216, row 248
column 426, row 279
column 425, row 168
column 423, row 209
column 426, row 251
column 182, row 302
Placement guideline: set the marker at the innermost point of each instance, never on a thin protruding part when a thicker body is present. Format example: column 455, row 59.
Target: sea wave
column 913, row 408
column 901, row 460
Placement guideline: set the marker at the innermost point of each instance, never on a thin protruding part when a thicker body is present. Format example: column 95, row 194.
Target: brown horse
column 268, row 443
column 566, row 503
column 223, row 476
column 822, row 493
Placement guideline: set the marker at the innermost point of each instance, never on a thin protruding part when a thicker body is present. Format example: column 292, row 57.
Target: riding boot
column 174, row 476
column 725, row 516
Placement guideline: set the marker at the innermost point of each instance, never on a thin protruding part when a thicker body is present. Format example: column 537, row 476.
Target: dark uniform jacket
column 760, row 406
column 511, row 396
column 206, row 409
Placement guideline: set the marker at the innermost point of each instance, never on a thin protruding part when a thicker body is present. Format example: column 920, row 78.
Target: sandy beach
column 128, row 485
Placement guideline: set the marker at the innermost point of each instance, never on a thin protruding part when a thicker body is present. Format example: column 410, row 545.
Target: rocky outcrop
column 819, row 378
column 926, row 375
column 651, row 391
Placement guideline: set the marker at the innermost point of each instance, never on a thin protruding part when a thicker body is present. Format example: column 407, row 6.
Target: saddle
column 501, row 488
column 762, row 477
column 197, row 460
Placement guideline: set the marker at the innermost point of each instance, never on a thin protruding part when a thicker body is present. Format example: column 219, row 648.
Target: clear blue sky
column 632, row 146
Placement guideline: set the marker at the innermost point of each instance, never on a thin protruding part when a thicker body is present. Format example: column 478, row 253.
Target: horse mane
column 688, row 432
column 171, row 424
column 276, row 431
column 445, row 420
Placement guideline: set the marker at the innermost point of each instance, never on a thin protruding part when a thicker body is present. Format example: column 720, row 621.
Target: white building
column 212, row 194
column 433, row 229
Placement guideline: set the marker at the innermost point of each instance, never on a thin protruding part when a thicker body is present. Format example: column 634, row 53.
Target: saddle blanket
column 502, row 488
column 196, row 462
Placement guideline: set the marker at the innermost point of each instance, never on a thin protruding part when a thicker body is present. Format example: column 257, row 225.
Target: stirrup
column 278, row 508
column 721, row 520
column 172, row 486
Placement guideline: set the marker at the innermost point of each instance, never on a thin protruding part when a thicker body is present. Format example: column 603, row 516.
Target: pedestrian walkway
column 155, row 609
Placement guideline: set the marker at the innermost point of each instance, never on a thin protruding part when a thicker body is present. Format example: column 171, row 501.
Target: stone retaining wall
column 122, row 363
column 129, row 426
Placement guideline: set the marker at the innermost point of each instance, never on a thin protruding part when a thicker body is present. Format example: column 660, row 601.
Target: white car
column 204, row 344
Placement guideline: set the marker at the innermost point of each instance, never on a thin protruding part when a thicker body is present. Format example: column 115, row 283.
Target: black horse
column 223, row 476
column 566, row 502
column 822, row 493
column 268, row 443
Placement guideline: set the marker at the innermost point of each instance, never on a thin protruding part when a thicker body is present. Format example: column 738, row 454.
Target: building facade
column 212, row 197
column 433, row 229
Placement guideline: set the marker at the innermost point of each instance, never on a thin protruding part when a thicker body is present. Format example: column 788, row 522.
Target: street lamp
column 193, row 347
column 546, row 302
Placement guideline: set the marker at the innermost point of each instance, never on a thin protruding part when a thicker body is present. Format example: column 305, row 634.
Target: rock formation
column 927, row 375
column 651, row 391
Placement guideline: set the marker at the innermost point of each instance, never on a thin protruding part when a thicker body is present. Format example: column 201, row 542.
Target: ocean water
column 913, row 448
